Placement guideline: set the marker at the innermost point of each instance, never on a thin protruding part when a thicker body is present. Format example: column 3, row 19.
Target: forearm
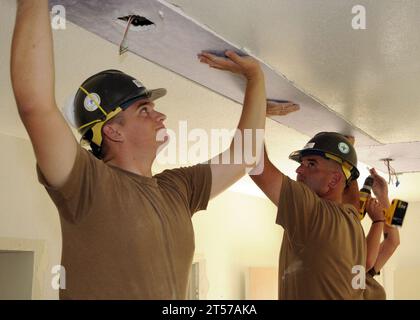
column 383, row 200
column 252, row 120
column 254, row 106
column 32, row 66
column 388, row 246
column 269, row 180
column 242, row 154
column 391, row 236
column 373, row 240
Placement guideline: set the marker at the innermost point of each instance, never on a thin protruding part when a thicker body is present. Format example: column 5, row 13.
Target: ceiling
column 366, row 77
column 370, row 76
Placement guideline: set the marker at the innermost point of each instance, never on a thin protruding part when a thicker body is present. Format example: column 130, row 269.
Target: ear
column 335, row 180
column 112, row 133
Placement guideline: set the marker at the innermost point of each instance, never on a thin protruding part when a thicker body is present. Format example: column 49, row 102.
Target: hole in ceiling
column 138, row 22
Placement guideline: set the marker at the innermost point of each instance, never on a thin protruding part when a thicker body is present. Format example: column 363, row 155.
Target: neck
column 333, row 195
column 140, row 163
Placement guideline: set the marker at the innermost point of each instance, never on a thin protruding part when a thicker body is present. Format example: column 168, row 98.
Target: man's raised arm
column 32, row 73
column 252, row 118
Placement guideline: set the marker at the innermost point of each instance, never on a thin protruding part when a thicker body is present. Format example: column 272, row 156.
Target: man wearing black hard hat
column 323, row 245
column 126, row 234
column 100, row 98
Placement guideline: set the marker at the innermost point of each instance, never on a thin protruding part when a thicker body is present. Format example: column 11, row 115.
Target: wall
column 236, row 232
column 26, row 212
column 406, row 261
column 407, row 284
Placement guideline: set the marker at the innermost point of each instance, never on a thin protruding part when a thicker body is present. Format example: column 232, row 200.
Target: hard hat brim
column 157, row 93
column 152, row 95
column 297, row 156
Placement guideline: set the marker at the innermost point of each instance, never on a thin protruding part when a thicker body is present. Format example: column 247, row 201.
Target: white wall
column 236, row 232
column 407, row 284
column 405, row 263
column 26, row 211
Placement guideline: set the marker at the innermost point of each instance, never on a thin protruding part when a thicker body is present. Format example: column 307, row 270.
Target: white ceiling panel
column 370, row 77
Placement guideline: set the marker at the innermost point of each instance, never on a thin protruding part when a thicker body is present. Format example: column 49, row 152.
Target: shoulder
column 184, row 173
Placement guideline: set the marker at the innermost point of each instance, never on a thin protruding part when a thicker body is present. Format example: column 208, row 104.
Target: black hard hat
column 334, row 146
column 102, row 96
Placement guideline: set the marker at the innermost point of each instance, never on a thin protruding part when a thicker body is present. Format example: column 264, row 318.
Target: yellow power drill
column 365, row 192
column 394, row 215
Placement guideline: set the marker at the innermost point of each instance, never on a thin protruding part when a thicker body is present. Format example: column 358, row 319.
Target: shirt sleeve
column 298, row 209
column 193, row 183
column 74, row 197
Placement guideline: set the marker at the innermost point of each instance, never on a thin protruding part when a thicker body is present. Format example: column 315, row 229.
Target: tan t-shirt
column 322, row 242
column 127, row 236
column 374, row 290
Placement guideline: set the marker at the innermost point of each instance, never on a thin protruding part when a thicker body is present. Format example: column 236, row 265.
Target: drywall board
column 173, row 41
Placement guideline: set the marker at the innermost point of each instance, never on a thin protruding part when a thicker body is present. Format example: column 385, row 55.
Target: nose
column 159, row 117
column 300, row 169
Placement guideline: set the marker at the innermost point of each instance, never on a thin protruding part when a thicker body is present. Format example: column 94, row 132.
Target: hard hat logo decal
column 309, row 145
column 138, row 83
column 92, row 101
column 343, row 147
